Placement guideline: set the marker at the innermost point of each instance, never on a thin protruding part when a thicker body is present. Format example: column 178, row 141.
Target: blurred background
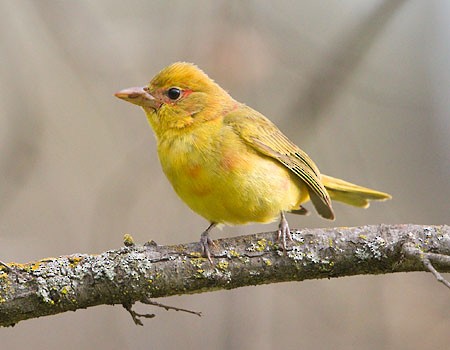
column 362, row 86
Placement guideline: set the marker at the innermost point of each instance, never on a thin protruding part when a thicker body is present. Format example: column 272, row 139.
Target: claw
column 206, row 242
column 284, row 231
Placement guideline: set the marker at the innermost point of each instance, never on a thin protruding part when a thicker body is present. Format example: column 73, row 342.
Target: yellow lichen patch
column 6, row 286
column 261, row 245
column 271, row 244
column 179, row 248
column 65, row 290
column 198, row 262
column 234, row 254
column 222, row 265
column 36, row 265
column 30, row 266
column 47, row 259
column 128, row 240
column 195, row 254
column 20, row 266
column 267, row 262
column 74, row 260
column 364, row 237
column 153, row 278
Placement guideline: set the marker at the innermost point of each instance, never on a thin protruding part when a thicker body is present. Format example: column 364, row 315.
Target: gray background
column 362, row 86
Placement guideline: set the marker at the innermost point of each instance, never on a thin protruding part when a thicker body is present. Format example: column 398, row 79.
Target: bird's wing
column 261, row 134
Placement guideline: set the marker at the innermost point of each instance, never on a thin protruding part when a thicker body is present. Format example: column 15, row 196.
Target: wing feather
column 264, row 136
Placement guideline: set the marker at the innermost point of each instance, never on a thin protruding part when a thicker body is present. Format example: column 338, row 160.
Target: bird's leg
column 283, row 231
column 206, row 241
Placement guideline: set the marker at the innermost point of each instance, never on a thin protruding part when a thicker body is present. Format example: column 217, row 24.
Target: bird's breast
column 223, row 179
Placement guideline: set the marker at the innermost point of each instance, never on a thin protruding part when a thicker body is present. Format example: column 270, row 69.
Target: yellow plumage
column 229, row 163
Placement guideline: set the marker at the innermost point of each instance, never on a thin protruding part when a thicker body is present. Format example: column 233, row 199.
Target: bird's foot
column 206, row 242
column 284, row 231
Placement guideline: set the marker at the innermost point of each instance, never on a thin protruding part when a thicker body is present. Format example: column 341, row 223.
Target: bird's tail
column 351, row 194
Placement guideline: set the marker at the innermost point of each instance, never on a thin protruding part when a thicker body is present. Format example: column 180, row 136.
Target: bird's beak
column 139, row 96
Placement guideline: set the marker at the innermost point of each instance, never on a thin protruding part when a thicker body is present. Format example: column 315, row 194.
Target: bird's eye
column 174, row 93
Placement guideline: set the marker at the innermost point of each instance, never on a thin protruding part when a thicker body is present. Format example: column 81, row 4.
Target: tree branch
column 140, row 272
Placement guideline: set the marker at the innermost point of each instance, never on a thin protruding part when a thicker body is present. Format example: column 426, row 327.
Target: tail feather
column 346, row 192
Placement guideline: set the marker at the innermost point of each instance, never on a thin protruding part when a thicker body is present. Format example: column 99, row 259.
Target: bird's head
column 178, row 96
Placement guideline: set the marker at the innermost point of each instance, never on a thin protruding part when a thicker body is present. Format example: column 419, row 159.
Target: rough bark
column 140, row 272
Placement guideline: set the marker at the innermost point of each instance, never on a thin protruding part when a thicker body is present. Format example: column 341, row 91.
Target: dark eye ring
column 174, row 93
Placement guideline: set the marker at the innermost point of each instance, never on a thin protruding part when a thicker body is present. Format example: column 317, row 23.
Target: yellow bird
column 228, row 162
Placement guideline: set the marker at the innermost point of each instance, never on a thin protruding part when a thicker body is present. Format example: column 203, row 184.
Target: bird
column 229, row 163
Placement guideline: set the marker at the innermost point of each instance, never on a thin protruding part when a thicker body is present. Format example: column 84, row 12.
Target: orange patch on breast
column 194, row 171
column 231, row 161
column 197, row 185
column 227, row 162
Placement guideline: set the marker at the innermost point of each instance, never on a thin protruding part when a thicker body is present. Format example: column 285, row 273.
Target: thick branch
column 138, row 273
